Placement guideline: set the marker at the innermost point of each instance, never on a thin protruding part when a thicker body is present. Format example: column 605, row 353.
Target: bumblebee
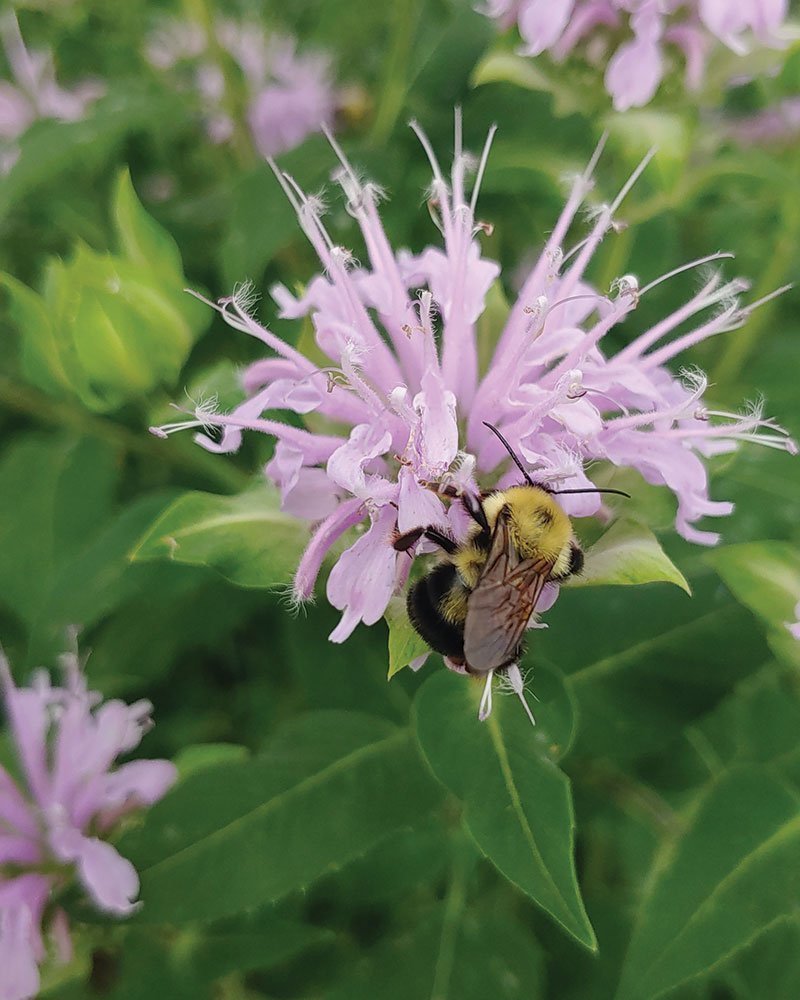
column 475, row 605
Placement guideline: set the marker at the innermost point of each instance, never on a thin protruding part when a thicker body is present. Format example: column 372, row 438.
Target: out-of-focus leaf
column 460, row 952
column 202, row 755
column 115, row 325
column 730, row 874
column 758, row 723
column 628, row 553
column 490, row 324
column 405, row 643
column 643, row 662
column 237, row 835
column 765, row 577
column 517, row 803
column 40, row 359
column 770, row 967
column 507, row 67
column 99, row 578
column 55, row 494
column 262, row 220
column 141, row 239
column 404, row 862
column 639, row 130
column 246, row 538
column 50, row 147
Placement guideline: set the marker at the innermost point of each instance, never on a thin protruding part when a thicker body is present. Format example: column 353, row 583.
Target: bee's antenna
column 510, row 450
column 619, row 493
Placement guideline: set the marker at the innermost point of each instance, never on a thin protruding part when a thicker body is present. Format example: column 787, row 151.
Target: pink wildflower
column 778, row 123
column 288, row 95
column 56, row 820
column 634, row 39
column 794, row 627
column 34, row 94
column 400, row 332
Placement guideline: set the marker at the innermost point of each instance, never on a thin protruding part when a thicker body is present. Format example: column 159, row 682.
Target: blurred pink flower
column 794, row 627
column 778, row 123
column 404, row 396
column 289, row 95
column 56, row 818
column 649, row 29
column 34, row 94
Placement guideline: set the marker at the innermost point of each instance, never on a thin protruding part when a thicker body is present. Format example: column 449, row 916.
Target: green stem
column 20, row 398
column 396, row 79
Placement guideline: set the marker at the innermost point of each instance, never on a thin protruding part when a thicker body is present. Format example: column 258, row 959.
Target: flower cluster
column 34, row 92
column 404, row 398
column 288, row 95
column 57, row 816
column 634, row 39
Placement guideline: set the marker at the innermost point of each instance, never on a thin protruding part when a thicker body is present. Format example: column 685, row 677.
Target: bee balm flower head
column 405, row 400
column 636, row 39
column 56, row 816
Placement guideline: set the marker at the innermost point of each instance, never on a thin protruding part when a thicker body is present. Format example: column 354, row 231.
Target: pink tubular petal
column 346, row 516
column 346, row 464
column 362, row 581
column 634, row 73
column 541, row 23
column 27, row 715
column 110, row 879
column 417, row 506
column 19, row 972
column 306, row 492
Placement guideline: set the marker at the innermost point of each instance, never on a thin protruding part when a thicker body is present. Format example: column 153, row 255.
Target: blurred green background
column 675, row 719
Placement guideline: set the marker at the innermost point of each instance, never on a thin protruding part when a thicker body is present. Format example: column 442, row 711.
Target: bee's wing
column 501, row 604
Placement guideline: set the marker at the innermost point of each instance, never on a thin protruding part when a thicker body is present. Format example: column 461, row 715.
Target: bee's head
column 544, row 486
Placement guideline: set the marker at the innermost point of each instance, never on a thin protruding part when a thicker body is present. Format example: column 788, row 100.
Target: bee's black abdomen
column 575, row 559
column 423, row 609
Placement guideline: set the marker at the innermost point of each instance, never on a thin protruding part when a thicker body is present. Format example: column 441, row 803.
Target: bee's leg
column 517, row 682
column 474, row 507
column 485, row 709
column 404, row 542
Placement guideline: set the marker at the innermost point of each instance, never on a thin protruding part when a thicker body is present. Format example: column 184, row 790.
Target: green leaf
column 758, row 723
column 39, row 352
column 765, row 577
column 462, row 951
column 142, row 240
column 55, row 493
column 770, row 967
column 237, row 835
column 628, row 554
column 246, row 538
column 507, row 67
column 643, row 662
column 730, row 874
column 262, row 221
column 517, row 803
column 202, row 755
column 50, row 148
column 405, row 643
column 490, row 324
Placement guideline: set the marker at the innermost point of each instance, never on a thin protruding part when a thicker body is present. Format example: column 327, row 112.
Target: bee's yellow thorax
column 537, row 525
